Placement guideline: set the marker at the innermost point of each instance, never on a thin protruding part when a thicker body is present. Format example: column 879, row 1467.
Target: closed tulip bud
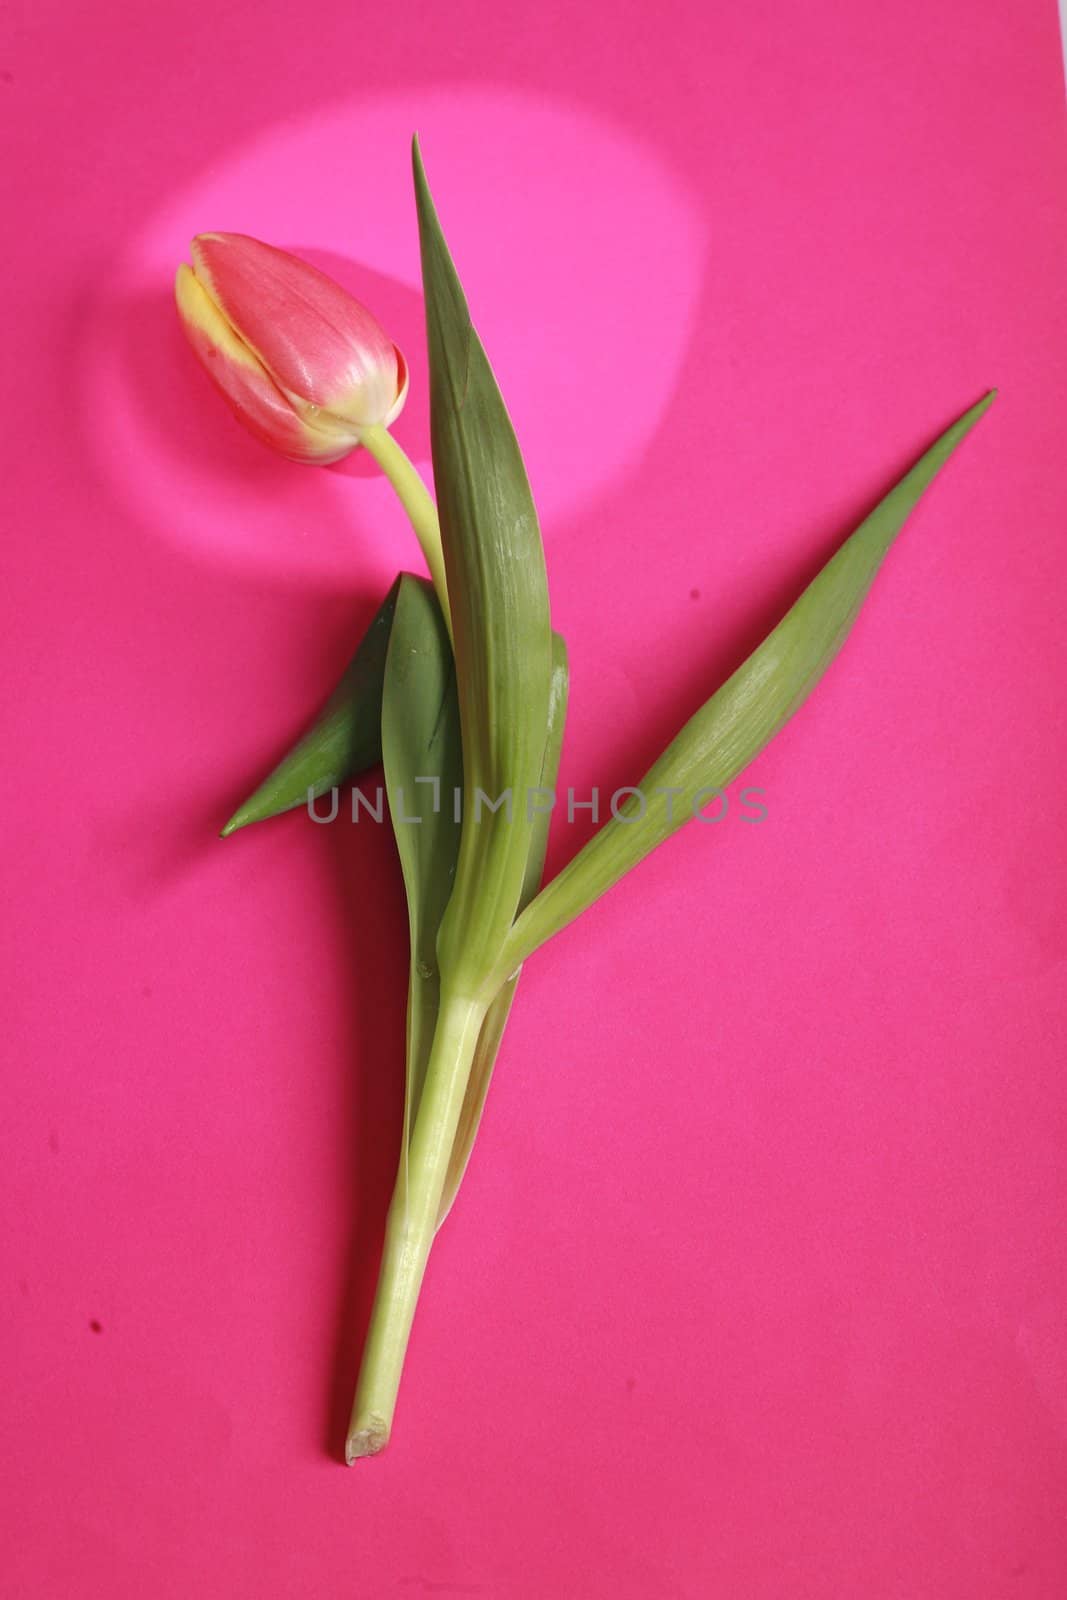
column 304, row 366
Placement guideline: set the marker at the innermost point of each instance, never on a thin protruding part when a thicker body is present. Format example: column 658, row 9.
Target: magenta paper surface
column 756, row 1286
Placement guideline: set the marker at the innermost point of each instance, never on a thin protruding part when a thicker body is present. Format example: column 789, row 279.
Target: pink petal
column 254, row 398
column 318, row 343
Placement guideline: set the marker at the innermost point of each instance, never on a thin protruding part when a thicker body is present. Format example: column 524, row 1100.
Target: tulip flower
column 305, row 367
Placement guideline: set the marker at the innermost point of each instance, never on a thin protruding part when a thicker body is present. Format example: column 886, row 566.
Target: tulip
column 305, row 367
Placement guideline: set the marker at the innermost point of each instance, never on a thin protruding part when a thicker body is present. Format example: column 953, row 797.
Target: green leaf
column 496, row 1017
column 735, row 724
column 423, row 768
column 498, row 592
column 345, row 737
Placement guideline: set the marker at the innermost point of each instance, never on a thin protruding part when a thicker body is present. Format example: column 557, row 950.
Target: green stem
column 417, row 501
column 412, row 1223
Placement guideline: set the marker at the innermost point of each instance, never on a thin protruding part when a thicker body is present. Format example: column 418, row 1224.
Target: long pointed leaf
column 499, row 596
column 735, row 724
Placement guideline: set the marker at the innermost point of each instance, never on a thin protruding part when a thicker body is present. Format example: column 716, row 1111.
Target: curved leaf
column 345, row 737
column 422, row 757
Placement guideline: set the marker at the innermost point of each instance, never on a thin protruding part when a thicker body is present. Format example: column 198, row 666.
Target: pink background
column 756, row 1286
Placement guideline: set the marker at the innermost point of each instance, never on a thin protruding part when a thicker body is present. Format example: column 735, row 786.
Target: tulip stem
column 412, row 1223
column 417, row 501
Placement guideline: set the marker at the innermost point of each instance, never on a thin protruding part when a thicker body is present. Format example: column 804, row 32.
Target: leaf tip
column 417, row 167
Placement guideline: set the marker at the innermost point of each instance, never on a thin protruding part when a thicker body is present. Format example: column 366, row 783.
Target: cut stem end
column 368, row 1440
